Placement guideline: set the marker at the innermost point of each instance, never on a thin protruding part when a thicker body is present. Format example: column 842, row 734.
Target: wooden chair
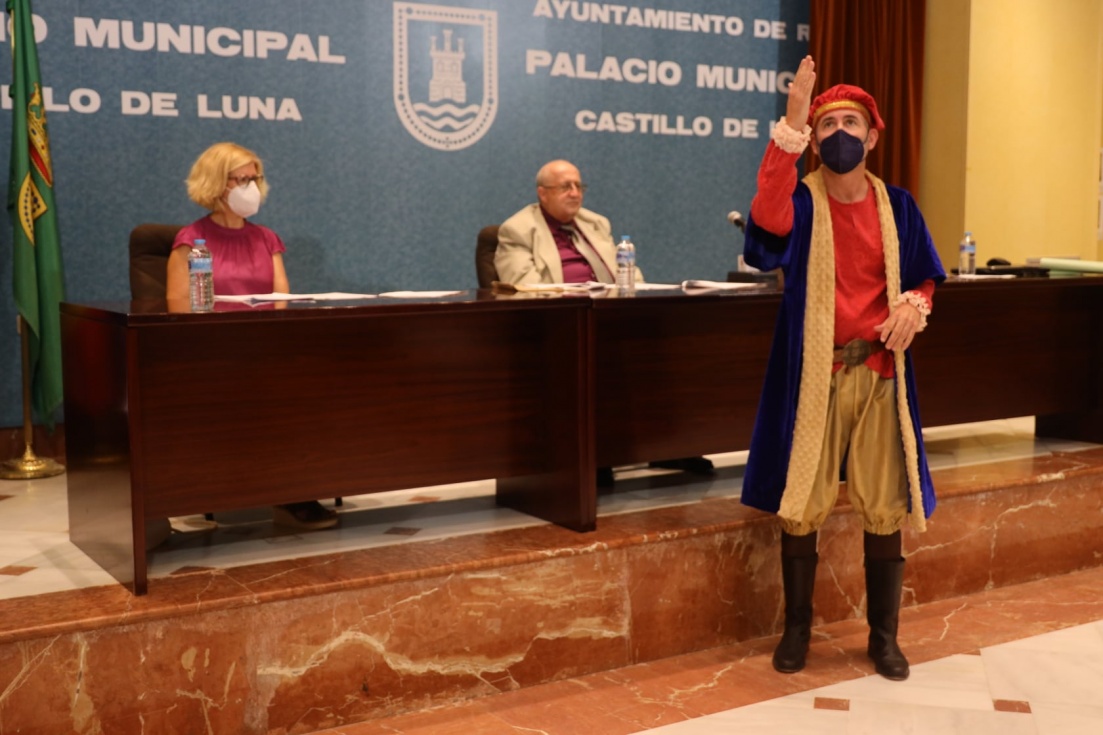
column 150, row 246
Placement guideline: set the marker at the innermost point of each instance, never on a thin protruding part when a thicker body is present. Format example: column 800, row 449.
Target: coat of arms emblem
column 445, row 73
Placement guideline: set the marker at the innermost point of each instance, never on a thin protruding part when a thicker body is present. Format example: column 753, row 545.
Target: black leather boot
column 798, row 574
column 884, row 584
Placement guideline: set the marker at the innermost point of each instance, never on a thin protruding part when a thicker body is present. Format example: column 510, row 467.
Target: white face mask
column 244, row 201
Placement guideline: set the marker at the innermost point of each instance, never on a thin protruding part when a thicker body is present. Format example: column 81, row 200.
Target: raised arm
column 772, row 207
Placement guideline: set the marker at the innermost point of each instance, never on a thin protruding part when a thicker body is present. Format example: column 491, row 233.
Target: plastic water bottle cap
column 624, row 237
column 200, row 242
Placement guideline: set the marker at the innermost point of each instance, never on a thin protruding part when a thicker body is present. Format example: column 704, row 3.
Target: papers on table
column 588, row 287
column 259, row 298
column 656, row 286
column 640, row 286
column 593, row 287
column 553, row 287
column 417, row 294
column 697, row 285
column 263, row 298
column 984, row 276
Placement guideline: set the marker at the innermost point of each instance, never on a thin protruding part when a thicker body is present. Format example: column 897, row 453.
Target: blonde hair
column 210, row 172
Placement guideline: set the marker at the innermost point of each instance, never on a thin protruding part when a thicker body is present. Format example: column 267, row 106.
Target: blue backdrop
column 385, row 159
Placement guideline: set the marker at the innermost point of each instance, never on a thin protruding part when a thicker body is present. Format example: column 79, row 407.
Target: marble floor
column 1022, row 659
column 1044, row 684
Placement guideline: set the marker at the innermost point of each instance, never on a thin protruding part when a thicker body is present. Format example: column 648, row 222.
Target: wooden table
column 174, row 414
column 679, row 375
column 1018, row 347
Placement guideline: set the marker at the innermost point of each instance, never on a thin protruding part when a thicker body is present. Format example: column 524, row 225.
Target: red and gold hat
column 846, row 96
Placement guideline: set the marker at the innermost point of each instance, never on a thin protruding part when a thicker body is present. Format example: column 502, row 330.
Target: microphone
column 737, row 219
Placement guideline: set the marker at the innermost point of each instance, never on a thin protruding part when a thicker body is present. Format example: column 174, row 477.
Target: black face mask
column 842, row 152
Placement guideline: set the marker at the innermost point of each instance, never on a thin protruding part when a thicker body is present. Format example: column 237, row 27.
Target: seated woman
column 247, row 258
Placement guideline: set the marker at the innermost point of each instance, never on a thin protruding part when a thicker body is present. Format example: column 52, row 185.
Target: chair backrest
column 485, row 245
column 150, row 246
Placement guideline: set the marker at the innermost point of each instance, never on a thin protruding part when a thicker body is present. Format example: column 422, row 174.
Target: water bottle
column 626, row 265
column 967, row 256
column 200, row 277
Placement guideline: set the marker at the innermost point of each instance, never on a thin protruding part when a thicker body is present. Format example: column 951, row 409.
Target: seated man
column 556, row 240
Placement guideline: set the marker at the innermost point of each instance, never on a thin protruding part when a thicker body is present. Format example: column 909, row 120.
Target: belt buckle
column 856, row 352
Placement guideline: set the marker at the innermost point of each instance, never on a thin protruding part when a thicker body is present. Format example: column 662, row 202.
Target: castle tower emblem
column 447, row 82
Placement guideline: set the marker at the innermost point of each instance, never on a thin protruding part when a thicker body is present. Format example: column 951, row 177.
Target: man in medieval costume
column 839, row 397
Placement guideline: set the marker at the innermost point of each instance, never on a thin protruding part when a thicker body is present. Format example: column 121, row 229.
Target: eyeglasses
column 564, row 188
column 245, row 180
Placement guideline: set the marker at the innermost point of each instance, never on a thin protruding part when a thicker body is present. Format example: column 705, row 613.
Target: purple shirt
column 576, row 269
column 241, row 259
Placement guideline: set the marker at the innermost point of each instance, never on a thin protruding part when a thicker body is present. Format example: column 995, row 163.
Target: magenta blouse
column 241, row 259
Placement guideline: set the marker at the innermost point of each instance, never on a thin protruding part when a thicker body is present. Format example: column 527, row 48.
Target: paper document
column 257, row 298
column 699, row 285
column 417, row 294
column 587, row 287
column 656, row 286
column 984, row 276
column 554, row 287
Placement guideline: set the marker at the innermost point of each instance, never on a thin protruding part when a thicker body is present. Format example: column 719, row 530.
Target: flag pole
column 29, row 466
column 38, row 285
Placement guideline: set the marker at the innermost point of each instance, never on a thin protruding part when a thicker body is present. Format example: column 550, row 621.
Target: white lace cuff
column 919, row 301
column 789, row 139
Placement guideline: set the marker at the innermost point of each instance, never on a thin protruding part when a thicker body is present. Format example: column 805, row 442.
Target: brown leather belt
column 857, row 351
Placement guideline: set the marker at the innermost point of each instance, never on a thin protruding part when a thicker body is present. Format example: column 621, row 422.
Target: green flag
column 37, row 279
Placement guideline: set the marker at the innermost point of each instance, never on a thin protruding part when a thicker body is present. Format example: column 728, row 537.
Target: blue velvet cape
column 772, row 441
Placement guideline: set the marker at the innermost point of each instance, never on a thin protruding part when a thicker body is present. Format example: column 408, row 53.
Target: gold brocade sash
column 819, row 345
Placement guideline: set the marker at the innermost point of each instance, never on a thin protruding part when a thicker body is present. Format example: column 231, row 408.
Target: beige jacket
column 527, row 252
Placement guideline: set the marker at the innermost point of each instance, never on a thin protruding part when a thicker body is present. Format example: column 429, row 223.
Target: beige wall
column 945, row 117
column 1012, row 124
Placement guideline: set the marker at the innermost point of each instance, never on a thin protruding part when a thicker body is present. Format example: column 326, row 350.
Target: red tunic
column 861, row 294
